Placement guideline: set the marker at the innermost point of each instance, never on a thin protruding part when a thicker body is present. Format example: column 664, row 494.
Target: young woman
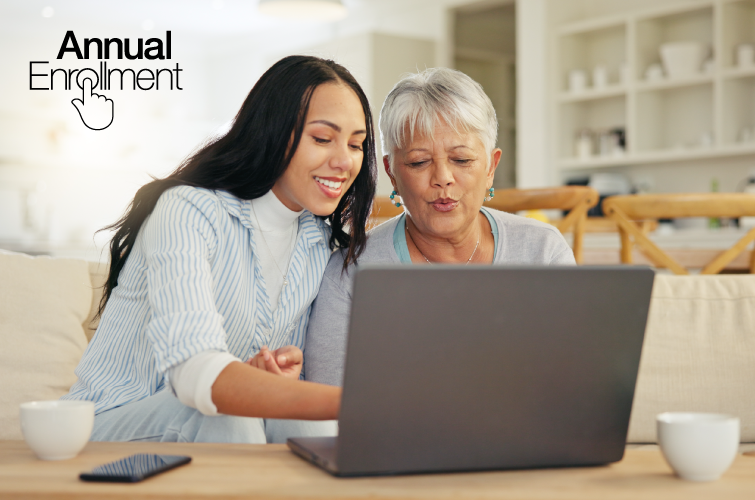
column 223, row 258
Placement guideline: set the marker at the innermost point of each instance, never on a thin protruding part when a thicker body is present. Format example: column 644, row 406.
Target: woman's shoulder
column 214, row 205
column 201, row 198
column 182, row 207
column 383, row 231
column 377, row 249
column 523, row 240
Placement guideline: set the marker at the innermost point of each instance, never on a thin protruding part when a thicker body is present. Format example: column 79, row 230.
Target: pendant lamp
column 315, row 10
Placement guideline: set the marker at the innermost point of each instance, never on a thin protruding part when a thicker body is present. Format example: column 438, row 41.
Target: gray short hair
column 417, row 101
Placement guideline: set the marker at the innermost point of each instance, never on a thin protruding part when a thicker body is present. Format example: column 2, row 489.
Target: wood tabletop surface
column 271, row 471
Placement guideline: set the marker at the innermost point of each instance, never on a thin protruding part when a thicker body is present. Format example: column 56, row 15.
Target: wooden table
column 271, row 471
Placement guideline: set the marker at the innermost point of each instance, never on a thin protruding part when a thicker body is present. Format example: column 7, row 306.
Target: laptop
column 469, row 368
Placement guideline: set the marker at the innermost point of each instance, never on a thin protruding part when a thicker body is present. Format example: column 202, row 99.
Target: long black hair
column 255, row 153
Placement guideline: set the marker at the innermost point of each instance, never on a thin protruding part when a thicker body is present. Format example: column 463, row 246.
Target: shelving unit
column 706, row 115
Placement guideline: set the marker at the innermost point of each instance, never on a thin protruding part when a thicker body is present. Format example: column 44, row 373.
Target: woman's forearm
column 246, row 391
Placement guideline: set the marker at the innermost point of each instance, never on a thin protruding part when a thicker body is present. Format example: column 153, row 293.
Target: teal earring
column 393, row 196
column 491, row 194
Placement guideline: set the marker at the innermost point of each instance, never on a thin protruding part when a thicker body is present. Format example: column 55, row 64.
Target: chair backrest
column 561, row 197
column 576, row 199
column 626, row 209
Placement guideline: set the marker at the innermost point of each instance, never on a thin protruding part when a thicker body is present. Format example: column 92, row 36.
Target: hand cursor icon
column 96, row 111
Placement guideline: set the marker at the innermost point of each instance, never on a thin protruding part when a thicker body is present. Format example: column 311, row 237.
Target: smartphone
column 134, row 468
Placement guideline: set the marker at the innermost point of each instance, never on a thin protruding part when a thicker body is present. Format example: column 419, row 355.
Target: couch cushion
column 43, row 304
column 699, row 352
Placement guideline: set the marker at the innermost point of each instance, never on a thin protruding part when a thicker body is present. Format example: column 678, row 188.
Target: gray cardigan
column 520, row 241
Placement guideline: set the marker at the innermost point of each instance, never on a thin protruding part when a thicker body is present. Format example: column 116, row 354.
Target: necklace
column 293, row 233
column 406, row 227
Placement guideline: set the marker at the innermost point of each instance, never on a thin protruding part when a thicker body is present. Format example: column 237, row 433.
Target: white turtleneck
column 275, row 231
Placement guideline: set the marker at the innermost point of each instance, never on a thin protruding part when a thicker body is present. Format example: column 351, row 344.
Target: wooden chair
column 383, row 208
column 577, row 199
column 624, row 210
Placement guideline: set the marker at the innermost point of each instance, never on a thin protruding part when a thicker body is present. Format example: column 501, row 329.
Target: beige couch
column 699, row 352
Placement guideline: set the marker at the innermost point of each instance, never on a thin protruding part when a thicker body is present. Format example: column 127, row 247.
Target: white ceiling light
column 315, row 10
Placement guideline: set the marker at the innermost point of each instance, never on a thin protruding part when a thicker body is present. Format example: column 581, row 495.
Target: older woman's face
column 443, row 179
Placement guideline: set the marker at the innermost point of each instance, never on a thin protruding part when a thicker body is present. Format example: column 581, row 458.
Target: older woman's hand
column 286, row 361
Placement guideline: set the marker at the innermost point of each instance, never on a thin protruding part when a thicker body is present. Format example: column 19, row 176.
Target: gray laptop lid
column 486, row 367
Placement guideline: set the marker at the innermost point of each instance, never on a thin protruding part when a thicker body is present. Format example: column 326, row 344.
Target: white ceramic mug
column 745, row 134
column 57, row 430
column 745, row 55
column 709, row 66
column 683, row 59
column 654, row 72
column 698, row 446
column 600, row 77
column 577, row 80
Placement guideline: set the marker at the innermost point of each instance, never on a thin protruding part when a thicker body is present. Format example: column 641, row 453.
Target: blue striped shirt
column 192, row 283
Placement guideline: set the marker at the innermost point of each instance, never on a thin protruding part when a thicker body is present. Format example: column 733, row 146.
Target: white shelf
column 733, row 73
column 612, row 21
column 674, row 83
column 675, row 10
column 590, row 25
column 589, row 94
column 673, row 155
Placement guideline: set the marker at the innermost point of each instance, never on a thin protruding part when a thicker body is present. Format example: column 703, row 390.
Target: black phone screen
column 134, row 468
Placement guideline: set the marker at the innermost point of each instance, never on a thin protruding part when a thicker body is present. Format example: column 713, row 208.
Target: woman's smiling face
column 443, row 179
column 329, row 155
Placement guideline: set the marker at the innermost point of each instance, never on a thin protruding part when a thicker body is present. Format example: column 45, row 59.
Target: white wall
column 533, row 126
column 82, row 180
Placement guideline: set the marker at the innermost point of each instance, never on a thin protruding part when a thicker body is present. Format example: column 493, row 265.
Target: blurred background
column 583, row 91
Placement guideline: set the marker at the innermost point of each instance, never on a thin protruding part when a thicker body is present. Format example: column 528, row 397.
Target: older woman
column 438, row 132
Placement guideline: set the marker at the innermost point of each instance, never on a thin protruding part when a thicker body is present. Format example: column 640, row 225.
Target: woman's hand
column 286, row 361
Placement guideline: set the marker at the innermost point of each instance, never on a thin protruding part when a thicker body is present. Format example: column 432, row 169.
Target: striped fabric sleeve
column 178, row 242
column 299, row 335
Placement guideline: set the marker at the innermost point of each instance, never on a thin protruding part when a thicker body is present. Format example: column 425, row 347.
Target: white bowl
column 698, row 446
column 56, row 430
column 683, row 59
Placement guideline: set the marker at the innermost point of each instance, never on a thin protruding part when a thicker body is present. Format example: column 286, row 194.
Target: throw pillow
column 43, row 304
column 699, row 352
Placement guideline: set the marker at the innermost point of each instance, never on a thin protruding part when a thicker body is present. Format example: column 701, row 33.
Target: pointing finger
column 87, row 89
